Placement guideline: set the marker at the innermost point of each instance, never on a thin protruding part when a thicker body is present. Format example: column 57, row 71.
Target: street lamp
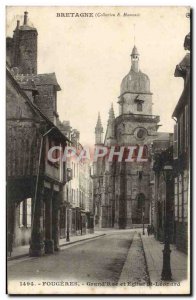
column 67, row 236
column 166, row 271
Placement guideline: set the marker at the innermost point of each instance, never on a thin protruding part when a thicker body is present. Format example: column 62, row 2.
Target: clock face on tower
column 140, row 133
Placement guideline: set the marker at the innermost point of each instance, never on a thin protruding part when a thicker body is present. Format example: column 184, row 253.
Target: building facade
column 177, row 155
column 34, row 184
column 46, row 200
column 182, row 152
column 77, row 210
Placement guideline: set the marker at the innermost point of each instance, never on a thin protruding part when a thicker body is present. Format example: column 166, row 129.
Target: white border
column 3, row 5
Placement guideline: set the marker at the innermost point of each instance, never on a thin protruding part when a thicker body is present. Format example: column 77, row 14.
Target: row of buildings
column 177, row 187
column 46, row 200
column 130, row 194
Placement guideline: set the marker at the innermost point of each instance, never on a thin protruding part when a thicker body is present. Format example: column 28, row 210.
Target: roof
column 135, row 82
column 184, row 98
column 35, row 108
column 28, row 85
column 46, row 79
column 26, row 27
column 163, row 136
column 134, row 51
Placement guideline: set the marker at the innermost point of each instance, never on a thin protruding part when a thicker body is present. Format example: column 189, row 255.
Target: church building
column 122, row 197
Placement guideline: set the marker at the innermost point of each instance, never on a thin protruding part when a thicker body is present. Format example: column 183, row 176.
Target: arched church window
column 140, row 201
column 140, row 173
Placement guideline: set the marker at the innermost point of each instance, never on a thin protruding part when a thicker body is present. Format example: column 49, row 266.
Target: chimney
column 18, row 24
column 25, row 17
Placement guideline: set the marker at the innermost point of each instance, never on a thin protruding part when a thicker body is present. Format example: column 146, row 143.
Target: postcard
column 98, row 141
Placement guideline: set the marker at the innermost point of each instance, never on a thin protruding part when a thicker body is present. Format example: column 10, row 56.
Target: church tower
column 122, row 189
column 24, row 55
column 135, row 125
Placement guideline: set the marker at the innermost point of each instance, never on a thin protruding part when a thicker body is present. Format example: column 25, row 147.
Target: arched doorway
column 141, row 209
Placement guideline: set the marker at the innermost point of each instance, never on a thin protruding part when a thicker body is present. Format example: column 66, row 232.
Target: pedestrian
column 148, row 229
column 152, row 229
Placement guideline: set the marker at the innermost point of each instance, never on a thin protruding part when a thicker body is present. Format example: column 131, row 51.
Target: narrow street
column 100, row 259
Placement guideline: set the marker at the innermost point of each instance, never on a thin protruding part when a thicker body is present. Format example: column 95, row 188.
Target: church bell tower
column 135, row 126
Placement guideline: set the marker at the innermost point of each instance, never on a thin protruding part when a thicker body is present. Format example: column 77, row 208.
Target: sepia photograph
column 98, row 143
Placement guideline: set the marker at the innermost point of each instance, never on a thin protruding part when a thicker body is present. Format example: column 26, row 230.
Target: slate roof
column 46, row 79
column 26, row 27
column 37, row 80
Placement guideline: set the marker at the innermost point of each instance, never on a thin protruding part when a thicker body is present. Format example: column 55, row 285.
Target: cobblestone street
column 113, row 257
column 122, row 259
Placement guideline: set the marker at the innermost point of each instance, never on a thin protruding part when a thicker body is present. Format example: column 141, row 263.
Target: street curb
column 126, row 257
column 63, row 245
column 90, row 238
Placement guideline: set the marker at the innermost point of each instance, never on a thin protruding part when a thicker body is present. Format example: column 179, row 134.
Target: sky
column 90, row 57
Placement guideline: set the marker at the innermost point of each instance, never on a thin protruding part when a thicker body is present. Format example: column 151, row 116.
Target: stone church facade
column 122, row 191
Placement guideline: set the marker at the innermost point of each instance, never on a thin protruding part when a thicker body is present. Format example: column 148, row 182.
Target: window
column 176, row 198
column 186, row 133
column 181, row 128
column 139, row 106
column 29, row 212
column 140, row 175
column 22, row 214
column 180, row 198
column 25, row 213
column 56, row 153
column 185, row 196
column 140, row 201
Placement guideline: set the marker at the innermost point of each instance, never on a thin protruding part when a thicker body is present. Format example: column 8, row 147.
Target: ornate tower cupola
column 135, row 60
column 24, row 55
column 135, row 95
column 99, row 131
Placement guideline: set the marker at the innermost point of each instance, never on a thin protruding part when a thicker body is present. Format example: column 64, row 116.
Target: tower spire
column 135, row 59
column 99, row 131
column 111, row 114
